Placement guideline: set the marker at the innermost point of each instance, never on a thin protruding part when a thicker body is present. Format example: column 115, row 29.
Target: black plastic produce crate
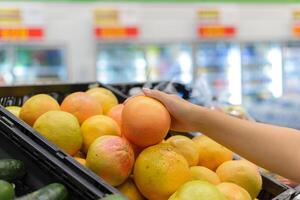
column 183, row 90
column 292, row 193
column 46, row 163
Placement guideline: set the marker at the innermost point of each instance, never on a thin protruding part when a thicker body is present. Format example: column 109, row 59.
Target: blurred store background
column 247, row 52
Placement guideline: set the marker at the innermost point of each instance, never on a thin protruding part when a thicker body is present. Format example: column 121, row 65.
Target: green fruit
column 6, row 190
column 11, row 169
column 54, row 191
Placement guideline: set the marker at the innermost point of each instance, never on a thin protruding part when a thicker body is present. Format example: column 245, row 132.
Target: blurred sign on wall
column 116, row 23
column 296, row 23
column 10, row 16
column 21, row 24
column 213, row 24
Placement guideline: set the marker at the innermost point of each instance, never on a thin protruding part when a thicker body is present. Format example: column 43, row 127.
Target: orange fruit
column 129, row 189
column 104, row 97
column 186, row 147
column 204, row 174
column 159, row 171
column 211, row 154
column 97, row 126
column 145, row 121
column 37, row 105
column 111, row 158
column 62, row 129
column 81, row 105
column 242, row 173
column 116, row 113
column 80, row 160
column 233, row 191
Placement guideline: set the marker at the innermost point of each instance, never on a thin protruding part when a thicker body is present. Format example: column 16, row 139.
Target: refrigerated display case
column 170, row 62
column 5, row 65
column 219, row 64
column 121, row 63
column 262, row 71
column 38, row 64
column 32, row 64
column 291, row 67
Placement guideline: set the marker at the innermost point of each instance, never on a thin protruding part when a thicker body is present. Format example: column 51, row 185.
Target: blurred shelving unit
column 261, row 71
column 25, row 64
column 120, row 63
column 219, row 64
column 291, row 67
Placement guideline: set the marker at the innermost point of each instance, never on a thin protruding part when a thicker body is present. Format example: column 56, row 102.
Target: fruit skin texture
column 211, row 154
column 37, row 105
column 14, row 110
column 233, row 191
column 97, row 126
column 111, row 157
column 242, row 173
column 62, row 129
column 204, row 174
column 186, row 147
column 198, row 190
column 81, row 105
column 129, row 189
column 159, row 171
column 116, row 114
column 104, row 97
column 6, row 191
column 145, row 121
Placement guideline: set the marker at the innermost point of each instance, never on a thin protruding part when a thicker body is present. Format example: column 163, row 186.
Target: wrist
column 197, row 117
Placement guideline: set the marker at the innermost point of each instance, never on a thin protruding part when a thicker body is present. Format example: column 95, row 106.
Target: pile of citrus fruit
column 125, row 145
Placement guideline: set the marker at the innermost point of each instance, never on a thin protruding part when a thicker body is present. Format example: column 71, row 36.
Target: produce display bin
column 290, row 194
column 182, row 90
column 46, row 163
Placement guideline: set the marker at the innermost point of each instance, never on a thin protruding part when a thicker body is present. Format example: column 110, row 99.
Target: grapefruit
column 211, row 154
column 111, row 157
column 186, row 147
column 37, row 105
column 145, row 121
column 242, row 173
column 233, row 191
column 62, row 129
column 97, row 126
column 159, row 171
column 104, row 97
column 116, row 113
column 129, row 189
column 198, row 190
column 81, row 105
column 204, row 174
column 14, row 110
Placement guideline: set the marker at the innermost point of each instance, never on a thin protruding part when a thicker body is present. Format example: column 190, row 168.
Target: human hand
column 181, row 111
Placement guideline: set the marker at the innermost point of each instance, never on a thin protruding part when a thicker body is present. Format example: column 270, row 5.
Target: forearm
column 274, row 148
